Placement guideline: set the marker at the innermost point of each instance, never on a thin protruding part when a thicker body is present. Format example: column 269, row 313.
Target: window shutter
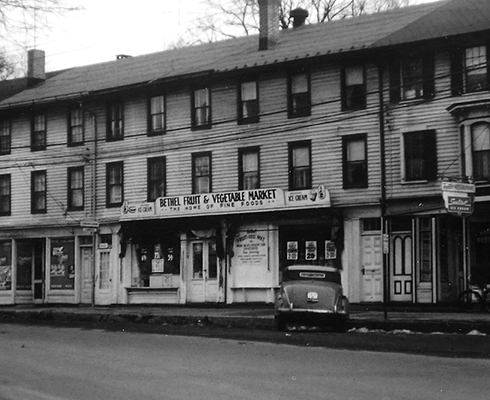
column 395, row 82
column 456, row 73
column 431, row 155
column 428, row 76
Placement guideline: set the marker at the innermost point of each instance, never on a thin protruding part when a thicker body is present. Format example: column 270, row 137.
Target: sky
column 106, row 28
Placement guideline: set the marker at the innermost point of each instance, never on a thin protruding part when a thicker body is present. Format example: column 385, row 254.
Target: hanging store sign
column 239, row 201
column 458, row 198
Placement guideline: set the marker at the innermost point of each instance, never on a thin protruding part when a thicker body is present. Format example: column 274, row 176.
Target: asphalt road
column 42, row 362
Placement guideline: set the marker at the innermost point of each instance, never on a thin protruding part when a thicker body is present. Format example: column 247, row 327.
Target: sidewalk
column 247, row 316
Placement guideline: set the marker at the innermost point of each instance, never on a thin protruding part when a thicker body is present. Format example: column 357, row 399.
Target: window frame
column 292, row 146
column 195, row 178
column 305, row 110
column 71, row 127
column 351, row 101
column 349, row 183
column 109, row 167
column 6, row 197
column 475, row 152
column 426, row 80
column 5, row 139
column 71, row 190
column 36, row 194
column 252, row 119
column 162, row 114
column 427, row 152
column 151, row 182
column 39, row 137
column 207, row 107
column 110, row 109
column 241, row 173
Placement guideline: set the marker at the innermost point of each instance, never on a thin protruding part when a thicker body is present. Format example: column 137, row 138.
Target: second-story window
column 475, row 67
column 201, row 108
column 249, row 171
column 38, row 192
column 156, row 115
column 5, row 199
column 38, row 131
column 201, row 173
column 420, row 154
column 412, row 78
column 5, row 136
column 76, row 180
column 115, row 121
column 248, row 102
column 300, row 165
column 355, row 161
column 114, row 184
column 299, row 96
column 480, row 139
column 156, row 178
column 353, row 88
column 75, row 127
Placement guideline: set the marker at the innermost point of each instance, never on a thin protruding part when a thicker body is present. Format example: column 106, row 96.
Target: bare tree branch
column 232, row 18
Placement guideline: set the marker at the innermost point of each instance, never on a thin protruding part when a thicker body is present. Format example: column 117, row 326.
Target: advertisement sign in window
column 5, row 265
column 330, row 250
column 310, row 250
column 62, row 269
column 292, row 250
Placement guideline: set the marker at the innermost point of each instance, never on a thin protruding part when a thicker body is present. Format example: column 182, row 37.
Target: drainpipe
column 382, row 182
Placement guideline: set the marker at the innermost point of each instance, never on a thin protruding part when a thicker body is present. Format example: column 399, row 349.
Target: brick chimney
column 269, row 23
column 35, row 67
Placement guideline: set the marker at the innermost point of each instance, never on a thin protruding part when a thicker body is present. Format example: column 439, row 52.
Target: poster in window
column 330, row 250
column 5, row 265
column 62, row 269
column 292, row 250
column 310, row 250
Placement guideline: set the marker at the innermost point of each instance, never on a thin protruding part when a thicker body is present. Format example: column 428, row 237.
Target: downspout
column 382, row 182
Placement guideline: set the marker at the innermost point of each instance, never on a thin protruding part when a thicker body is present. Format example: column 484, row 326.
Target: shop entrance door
column 38, row 283
column 87, row 271
column 103, row 278
column 401, row 267
column 372, row 268
column 202, row 283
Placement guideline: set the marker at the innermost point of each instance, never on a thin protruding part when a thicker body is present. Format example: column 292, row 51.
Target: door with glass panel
column 202, row 281
column 103, row 279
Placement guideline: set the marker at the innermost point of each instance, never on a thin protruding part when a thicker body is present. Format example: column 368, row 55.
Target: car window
column 327, row 276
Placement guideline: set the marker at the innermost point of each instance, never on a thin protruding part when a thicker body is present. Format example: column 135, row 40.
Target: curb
column 243, row 322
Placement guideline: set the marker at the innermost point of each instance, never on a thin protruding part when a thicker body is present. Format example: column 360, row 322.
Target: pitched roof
column 373, row 31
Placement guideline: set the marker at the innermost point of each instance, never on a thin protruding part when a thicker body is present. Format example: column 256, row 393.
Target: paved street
column 39, row 362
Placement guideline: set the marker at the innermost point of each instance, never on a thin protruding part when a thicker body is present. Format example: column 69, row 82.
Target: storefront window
column 154, row 261
column 24, row 265
column 62, row 271
column 5, row 265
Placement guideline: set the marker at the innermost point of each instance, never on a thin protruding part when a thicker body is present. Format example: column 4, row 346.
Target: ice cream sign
column 458, row 198
column 239, row 201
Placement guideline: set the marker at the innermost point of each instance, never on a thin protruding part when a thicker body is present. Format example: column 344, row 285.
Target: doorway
column 103, row 278
column 372, row 268
column 202, row 284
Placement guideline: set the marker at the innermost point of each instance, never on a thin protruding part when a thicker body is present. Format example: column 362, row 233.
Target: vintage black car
column 313, row 296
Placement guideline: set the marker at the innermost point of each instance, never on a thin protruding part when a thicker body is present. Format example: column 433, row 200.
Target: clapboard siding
column 424, row 115
column 325, row 128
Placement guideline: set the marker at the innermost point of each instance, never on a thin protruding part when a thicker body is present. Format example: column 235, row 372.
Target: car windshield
column 308, row 275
